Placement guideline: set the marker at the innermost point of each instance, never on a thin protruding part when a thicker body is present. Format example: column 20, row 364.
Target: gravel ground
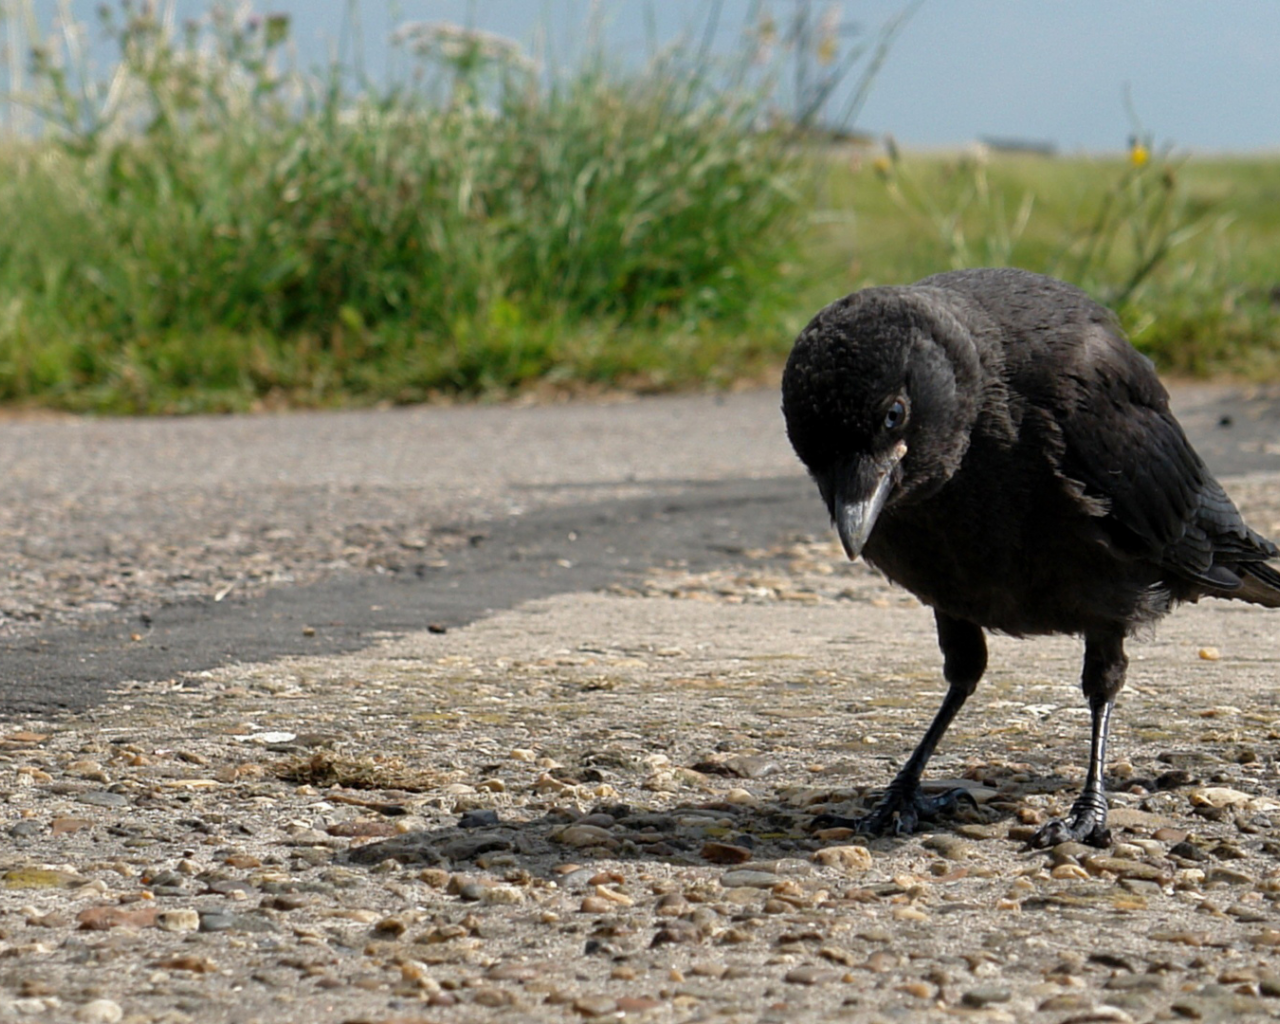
column 597, row 804
column 108, row 518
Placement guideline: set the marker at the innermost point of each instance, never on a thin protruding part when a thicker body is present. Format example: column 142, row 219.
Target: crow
column 991, row 441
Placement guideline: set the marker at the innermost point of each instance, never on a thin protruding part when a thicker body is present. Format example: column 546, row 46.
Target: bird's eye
column 896, row 415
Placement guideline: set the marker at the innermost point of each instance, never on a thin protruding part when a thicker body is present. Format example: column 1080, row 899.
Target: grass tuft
column 205, row 229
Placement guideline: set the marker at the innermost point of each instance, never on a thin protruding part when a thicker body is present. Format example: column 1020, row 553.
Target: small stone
column 985, row 995
column 1122, row 867
column 724, row 853
column 219, row 921
column 748, row 878
column 1069, row 1001
column 1225, row 796
column 103, row 798
column 751, row 766
column 1269, row 985
column 104, row 918
column 40, row 878
column 596, row 905
column 1189, row 851
column 1071, row 852
column 671, row 904
column 581, row 836
column 838, row 955
column 502, row 895
column 514, row 972
column 851, row 860
column 676, row 932
column 948, row 846
column 1209, row 654
column 595, row 1006
column 918, row 989
column 478, row 819
column 1230, row 876
column 363, row 829
column 99, row 1011
column 69, row 826
column 181, row 920
column 1132, row 982
column 811, row 976
column 636, row 1004
column 881, row 962
column 614, row 896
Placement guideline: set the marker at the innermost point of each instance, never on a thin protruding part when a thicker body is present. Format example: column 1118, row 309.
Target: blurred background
column 212, row 207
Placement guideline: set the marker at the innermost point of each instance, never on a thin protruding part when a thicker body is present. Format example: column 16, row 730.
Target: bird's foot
column 899, row 811
column 1087, row 824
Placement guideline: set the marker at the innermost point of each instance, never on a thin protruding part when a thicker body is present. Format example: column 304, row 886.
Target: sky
column 1203, row 75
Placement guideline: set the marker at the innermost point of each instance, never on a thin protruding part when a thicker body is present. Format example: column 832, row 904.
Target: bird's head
column 880, row 394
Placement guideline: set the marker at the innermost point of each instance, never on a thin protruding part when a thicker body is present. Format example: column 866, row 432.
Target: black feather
column 1040, row 483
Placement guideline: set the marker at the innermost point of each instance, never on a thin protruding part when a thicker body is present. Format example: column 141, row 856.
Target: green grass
column 233, row 235
column 1209, row 306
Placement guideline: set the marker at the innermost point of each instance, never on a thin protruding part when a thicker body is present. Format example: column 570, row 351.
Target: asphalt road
column 496, row 505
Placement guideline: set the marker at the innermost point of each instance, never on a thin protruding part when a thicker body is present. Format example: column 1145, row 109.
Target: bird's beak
column 861, row 496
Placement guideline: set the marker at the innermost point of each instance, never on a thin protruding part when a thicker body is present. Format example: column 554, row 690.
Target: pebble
column 811, row 976
column 40, row 878
column 677, row 932
column 751, row 766
column 502, row 895
column 1122, row 867
column 985, row 995
column 219, row 921
column 724, row 853
column 103, row 798
column 1071, row 852
column 596, row 1006
column 949, row 846
column 850, row 860
column 748, row 878
column 99, row 1011
column 181, row 920
column 1229, row 876
column 478, row 819
column 105, row 918
column 581, row 836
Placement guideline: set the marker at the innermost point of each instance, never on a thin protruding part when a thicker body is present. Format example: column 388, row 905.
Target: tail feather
column 1259, row 583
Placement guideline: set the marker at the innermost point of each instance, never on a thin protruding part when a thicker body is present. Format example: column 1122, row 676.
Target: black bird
column 990, row 440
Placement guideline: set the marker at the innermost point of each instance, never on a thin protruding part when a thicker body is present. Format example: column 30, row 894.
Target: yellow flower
column 881, row 166
column 1138, row 154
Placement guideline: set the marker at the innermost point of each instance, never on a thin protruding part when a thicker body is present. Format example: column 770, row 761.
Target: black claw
column 1087, row 824
column 898, row 812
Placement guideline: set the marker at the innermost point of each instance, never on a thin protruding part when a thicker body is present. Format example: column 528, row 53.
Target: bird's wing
column 1121, row 442
column 1106, row 424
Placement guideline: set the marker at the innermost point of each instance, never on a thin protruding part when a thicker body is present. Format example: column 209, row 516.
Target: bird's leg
column 1104, row 668
column 964, row 651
